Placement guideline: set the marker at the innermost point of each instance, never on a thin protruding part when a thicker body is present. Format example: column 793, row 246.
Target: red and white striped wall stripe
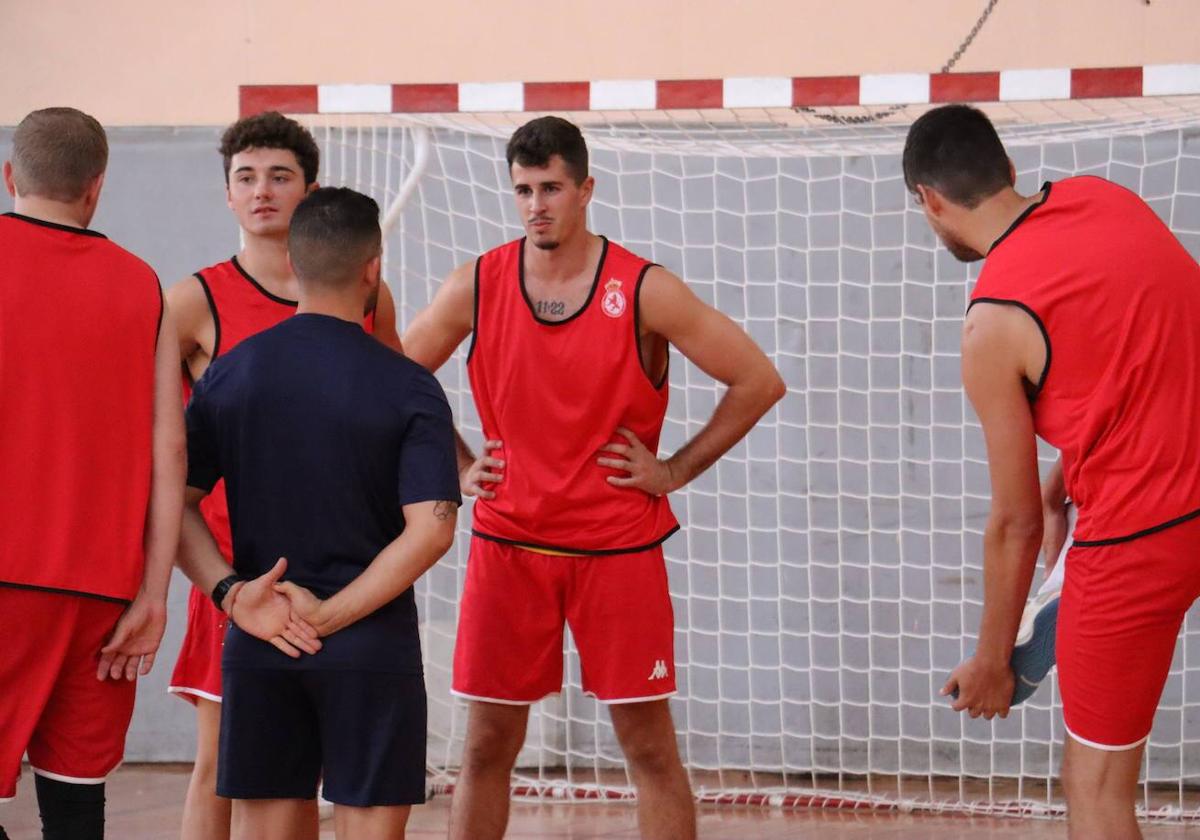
column 764, row 92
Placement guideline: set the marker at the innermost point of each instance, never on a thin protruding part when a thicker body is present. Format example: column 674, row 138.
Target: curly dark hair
column 272, row 130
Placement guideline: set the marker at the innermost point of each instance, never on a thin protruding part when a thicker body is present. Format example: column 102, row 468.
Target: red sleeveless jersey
column 554, row 393
column 240, row 308
column 76, row 408
column 1117, row 298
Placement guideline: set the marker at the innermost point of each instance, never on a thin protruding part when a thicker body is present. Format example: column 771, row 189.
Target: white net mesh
column 828, row 576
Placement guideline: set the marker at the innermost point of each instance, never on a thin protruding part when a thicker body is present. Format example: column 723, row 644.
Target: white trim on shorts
column 622, row 700
column 497, row 700
column 1106, row 747
column 73, row 780
column 177, row 689
column 4, row 799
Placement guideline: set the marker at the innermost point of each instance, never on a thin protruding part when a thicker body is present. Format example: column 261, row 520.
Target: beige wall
column 170, row 62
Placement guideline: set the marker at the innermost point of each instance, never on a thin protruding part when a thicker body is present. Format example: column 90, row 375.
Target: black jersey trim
column 637, row 330
column 212, row 308
column 1037, row 389
column 57, row 591
column 1024, row 215
column 162, row 310
column 586, row 303
column 475, row 310
column 259, row 286
column 584, row 552
column 1145, row 532
column 56, row 226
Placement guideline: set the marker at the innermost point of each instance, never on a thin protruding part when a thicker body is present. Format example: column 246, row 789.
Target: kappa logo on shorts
column 660, row 670
column 614, row 299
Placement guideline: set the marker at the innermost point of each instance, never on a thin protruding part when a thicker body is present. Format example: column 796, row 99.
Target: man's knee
column 651, row 751
column 204, row 771
column 493, row 741
column 652, row 758
column 1100, row 780
column 647, row 736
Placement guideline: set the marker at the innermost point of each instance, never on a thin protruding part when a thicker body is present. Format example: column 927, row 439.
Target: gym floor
column 145, row 801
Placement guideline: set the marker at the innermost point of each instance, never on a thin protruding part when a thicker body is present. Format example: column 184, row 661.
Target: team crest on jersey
column 613, row 303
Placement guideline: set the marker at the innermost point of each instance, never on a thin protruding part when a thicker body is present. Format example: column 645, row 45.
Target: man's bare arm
column 720, row 348
column 194, row 326
column 430, row 341
column 436, row 332
column 428, row 534
column 1054, row 488
column 992, row 377
column 994, row 372
column 169, row 472
column 385, row 319
column 1054, row 515
column 198, row 557
column 253, row 605
column 136, row 637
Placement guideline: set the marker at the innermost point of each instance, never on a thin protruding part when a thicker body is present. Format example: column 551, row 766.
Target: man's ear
column 931, row 199
column 93, row 190
column 1012, row 173
column 586, row 188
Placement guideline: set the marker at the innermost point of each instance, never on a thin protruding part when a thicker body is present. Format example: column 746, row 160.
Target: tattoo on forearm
column 550, row 307
column 444, row 510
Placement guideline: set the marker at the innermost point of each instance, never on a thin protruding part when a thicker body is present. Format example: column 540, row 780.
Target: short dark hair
column 272, row 130
column 955, row 150
column 57, row 153
column 333, row 234
column 534, row 143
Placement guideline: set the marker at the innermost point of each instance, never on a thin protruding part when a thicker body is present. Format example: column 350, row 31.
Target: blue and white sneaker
column 1033, row 653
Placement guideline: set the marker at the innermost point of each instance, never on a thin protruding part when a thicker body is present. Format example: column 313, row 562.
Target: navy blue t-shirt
column 322, row 434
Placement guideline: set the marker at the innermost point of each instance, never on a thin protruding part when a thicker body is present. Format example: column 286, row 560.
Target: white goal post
column 828, row 575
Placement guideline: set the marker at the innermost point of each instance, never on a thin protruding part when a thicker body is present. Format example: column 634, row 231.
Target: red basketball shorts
column 51, row 704
column 515, row 602
column 1121, row 609
column 197, row 673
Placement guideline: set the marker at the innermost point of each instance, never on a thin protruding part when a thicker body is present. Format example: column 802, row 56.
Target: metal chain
column 962, row 48
column 860, row 119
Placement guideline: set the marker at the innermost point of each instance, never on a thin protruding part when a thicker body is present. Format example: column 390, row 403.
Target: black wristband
column 222, row 589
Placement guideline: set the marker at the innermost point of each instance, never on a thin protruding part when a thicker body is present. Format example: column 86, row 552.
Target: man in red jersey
column 271, row 164
column 568, row 367
column 1082, row 330
column 92, row 448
